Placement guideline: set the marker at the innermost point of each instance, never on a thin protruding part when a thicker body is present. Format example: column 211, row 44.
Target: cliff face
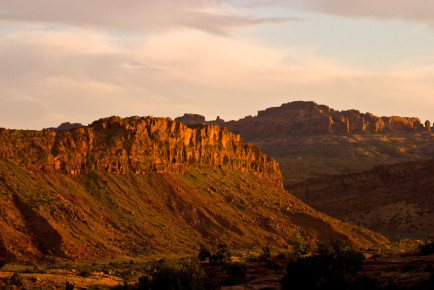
column 140, row 145
column 191, row 119
column 64, row 127
column 311, row 118
column 314, row 140
column 146, row 186
column 396, row 200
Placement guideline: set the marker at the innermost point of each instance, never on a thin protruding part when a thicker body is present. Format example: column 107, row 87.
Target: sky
column 79, row 61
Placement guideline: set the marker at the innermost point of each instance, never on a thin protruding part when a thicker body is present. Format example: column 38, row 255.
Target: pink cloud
column 145, row 15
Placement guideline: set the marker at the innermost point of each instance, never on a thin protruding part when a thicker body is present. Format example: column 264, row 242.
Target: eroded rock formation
column 310, row 118
column 64, row 127
column 191, row 119
column 140, row 145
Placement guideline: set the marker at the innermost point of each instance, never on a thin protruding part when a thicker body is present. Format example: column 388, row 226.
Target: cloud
column 141, row 15
column 82, row 75
column 410, row 10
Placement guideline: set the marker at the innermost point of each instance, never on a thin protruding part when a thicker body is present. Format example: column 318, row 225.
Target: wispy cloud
column 145, row 15
column 83, row 74
column 412, row 10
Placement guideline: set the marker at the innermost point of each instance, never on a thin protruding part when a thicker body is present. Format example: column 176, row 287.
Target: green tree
column 297, row 242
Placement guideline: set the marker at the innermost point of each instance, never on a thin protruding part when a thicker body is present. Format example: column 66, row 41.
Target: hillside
column 396, row 200
column 146, row 187
column 312, row 140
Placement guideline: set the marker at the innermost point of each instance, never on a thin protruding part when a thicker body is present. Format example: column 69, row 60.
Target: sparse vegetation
column 170, row 274
column 221, row 255
column 297, row 242
column 333, row 267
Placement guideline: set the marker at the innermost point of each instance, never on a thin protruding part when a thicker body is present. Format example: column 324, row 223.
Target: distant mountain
column 64, row 127
column 146, row 186
column 314, row 140
column 396, row 200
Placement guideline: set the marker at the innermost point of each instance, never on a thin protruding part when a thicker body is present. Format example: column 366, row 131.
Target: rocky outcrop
column 396, row 199
column 140, row 145
column 309, row 140
column 310, row 118
column 64, row 127
column 191, row 119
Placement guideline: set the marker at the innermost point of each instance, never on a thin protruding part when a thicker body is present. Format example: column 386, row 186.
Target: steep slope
column 397, row 200
column 146, row 186
column 314, row 140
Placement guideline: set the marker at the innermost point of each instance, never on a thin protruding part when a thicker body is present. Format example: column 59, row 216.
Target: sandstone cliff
column 64, row 127
column 397, row 200
column 310, row 118
column 140, row 145
column 191, row 119
column 146, row 186
column 314, row 140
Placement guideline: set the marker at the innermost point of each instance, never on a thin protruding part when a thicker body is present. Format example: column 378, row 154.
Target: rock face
column 311, row 118
column 64, row 127
column 146, row 186
column 191, row 119
column 314, row 140
column 396, row 200
column 140, row 145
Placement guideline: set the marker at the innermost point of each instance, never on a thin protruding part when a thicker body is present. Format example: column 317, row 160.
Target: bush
column 168, row 274
column 17, row 279
column 237, row 272
column 204, row 252
column 223, row 253
column 332, row 267
column 297, row 242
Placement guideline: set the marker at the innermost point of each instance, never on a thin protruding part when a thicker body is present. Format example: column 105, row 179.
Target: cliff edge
column 137, row 144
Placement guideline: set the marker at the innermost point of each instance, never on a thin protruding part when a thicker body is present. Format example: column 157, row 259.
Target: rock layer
column 310, row 118
column 309, row 140
column 140, row 145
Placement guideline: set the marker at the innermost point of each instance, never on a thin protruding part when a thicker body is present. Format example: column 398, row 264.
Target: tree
column 297, row 242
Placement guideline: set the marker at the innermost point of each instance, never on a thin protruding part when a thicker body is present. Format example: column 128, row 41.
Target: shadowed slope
column 102, row 214
column 397, row 200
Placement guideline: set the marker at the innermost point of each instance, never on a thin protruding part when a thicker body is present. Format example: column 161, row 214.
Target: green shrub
column 297, row 242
